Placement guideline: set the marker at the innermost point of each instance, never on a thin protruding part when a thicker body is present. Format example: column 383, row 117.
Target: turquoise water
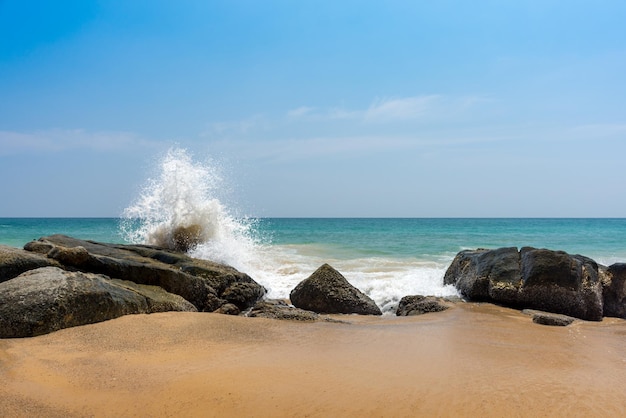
column 385, row 258
column 427, row 239
column 436, row 239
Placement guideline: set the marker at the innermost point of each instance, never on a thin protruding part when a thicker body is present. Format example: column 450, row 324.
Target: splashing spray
column 178, row 210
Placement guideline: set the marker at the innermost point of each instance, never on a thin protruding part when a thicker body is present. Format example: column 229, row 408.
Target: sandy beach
column 472, row 360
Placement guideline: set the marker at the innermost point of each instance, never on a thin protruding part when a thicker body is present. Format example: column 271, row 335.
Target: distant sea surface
column 387, row 258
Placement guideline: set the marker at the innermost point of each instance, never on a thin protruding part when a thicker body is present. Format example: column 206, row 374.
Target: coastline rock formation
column 149, row 279
column 546, row 280
column 327, row 291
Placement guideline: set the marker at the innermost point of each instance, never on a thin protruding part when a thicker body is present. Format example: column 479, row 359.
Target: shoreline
column 474, row 359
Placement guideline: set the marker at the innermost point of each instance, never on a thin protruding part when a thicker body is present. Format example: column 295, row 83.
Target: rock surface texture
column 614, row 290
column 418, row 305
column 546, row 280
column 327, row 291
column 49, row 298
column 114, row 279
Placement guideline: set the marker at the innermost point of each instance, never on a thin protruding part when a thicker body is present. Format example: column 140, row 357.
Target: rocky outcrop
column 48, row 299
column 59, row 282
column 418, row 305
column 205, row 284
column 327, row 291
column 14, row 262
column 552, row 281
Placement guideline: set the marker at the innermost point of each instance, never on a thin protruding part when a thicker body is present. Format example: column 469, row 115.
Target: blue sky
column 318, row 108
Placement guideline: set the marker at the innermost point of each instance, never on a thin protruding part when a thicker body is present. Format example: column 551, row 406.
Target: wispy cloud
column 237, row 127
column 395, row 109
column 55, row 140
column 300, row 111
column 383, row 110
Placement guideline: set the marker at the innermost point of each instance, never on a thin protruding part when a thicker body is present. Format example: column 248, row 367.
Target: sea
column 386, row 258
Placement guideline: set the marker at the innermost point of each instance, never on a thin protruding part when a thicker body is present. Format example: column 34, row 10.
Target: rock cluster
column 546, row 280
column 59, row 281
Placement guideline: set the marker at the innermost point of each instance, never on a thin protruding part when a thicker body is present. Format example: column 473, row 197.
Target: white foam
column 184, row 195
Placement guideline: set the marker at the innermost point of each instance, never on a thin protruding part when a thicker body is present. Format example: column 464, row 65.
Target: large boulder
column 552, row 281
column 205, row 284
column 14, row 261
column 48, row 299
column 614, row 290
column 327, row 291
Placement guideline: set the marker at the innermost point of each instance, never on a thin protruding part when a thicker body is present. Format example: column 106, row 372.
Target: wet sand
column 473, row 360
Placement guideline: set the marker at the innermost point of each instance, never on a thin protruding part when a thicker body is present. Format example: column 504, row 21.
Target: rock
column 201, row 282
column 614, row 290
column 548, row 280
column 547, row 318
column 228, row 309
column 327, row 291
column 243, row 295
column 279, row 309
column 48, row 299
column 14, row 261
column 158, row 300
column 418, row 305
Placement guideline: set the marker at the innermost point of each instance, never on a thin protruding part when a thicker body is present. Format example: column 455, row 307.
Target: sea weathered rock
column 548, row 318
column 614, row 290
column 279, row 309
column 418, row 305
column 201, row 282
column 327, row 291
column 547, row 280
column 49, row 298
column 14, row 261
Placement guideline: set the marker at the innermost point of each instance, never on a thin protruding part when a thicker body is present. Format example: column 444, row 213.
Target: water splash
column 179, row 210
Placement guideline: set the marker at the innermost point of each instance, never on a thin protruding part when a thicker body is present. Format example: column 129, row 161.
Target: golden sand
column 472, row 360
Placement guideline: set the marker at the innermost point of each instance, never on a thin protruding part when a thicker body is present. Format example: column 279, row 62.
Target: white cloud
column 300, row 111
column 383, row 110
column 412, row 108
column 238, row 127
column 55, row 140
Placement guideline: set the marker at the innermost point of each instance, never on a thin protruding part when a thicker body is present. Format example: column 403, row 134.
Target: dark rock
column 418, row 305
column 48, row 299
column 228, row 309
column 243, row 295
column 200, row 282
column 614, row 290
column 14, row 261
column 472, row 273
column 553, row 281
column 547, row 318
column 279, row 309
column 327, row 291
